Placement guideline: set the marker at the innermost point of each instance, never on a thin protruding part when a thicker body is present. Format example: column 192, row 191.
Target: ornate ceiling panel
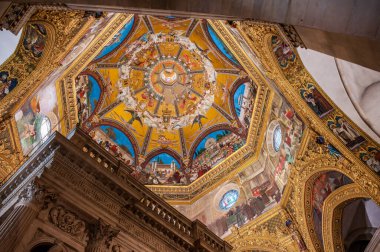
column 167, row 96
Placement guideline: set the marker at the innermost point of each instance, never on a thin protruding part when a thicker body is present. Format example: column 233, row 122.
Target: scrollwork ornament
column 67, row 221
column 100, row 236
column 37, row 196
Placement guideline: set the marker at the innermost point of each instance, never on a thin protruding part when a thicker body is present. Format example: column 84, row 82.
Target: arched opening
column 42, row 247
column 360, row 220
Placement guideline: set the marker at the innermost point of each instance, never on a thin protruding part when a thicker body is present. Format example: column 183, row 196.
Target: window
column 277, row 138
column 228, row 199
column 45, row 128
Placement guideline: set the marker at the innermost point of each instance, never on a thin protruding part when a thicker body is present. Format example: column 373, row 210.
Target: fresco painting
column 261, row 183
column 117, row 39
column 37, row 118
column 212, row 150
column 344, row 131
column 88, row 94
column 371, row 158
column 220, row 45
column 163, row 169
column 315, row 100
column 323, row 186
column 244, row 97
column 7, row 83
column 282, row 51
column 162, row 80
column 115, row 142
column 35, row 39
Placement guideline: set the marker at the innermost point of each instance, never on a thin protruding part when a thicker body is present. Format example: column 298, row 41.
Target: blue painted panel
column 216, row 135
column 119, row 138
column 221, row 46
column 165, row 158
column 93, row 92
column 117, row 39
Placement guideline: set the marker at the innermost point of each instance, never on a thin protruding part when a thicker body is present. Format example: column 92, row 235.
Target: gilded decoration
column 352, row 143
column 188, row 115
column 284, row 67
column 46, row 39
column 160, row 94
column 332, row 215
column 60, row 27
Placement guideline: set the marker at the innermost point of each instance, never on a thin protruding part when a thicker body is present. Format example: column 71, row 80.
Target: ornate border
column 332, row 215
column 233, row 164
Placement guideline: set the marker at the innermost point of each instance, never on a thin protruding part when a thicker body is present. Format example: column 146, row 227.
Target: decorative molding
column 292, row 35
column 37, row 196
column 67, row 221
column 101, row 235
column 332, row 215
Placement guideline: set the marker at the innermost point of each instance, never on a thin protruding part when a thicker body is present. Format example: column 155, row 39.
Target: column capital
column 37, row 196
column 100, row 236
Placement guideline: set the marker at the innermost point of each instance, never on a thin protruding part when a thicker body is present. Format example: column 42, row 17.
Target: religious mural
column 282, row 51
column 163, row 169
column 243, row 102
column 117, row 40
column 258, row 187
column 33, row 45
column 323, row 186
column 212, row 150
column 7, row 83
column 315, row 100
column 88, row 94
column 37, row 118
column 35, row 39
column 221, row 46
column 168, row 82
column 115, row 142
column 39, row 115
column 344, row 131
column 371, row 157
column 351, row 137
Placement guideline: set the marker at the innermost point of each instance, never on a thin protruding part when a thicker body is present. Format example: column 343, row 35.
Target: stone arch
column 56, row 246
column 332, row 213
column 308, row 203
column 309, row 168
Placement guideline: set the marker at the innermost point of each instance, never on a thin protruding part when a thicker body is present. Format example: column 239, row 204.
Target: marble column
column 100, row 236
column 32, row 199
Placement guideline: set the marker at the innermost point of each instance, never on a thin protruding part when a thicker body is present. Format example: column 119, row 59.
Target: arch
column 205, row 133
column 97, row 78
column 35, row 52
column 323, row 184
column 131, row 138
column 157, row 152
column 312, row 165
column 55, row 245
column 237, row 84
column 332, row 212
column 307, row 200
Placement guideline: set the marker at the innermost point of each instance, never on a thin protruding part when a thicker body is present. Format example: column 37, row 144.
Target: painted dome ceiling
column 167, row 96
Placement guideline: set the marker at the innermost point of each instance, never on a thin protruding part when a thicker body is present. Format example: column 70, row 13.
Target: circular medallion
column 178, row 77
